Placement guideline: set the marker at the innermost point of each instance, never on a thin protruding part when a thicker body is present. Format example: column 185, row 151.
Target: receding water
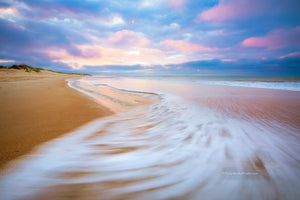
column 170, row 140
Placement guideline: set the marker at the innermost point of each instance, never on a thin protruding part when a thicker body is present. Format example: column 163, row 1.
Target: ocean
column 173, row 138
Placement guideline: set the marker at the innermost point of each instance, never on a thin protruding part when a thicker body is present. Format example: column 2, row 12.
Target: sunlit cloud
column 96, row 55
column 177, row 4
column 290, row 55
column 227, row 10
column 174, row 4
column 146, row 33
column 127, row 38
column 275, row 39
column 10, row 14
column 112, row 20
column 90, row 55
column 183, row 46
column 228, row 60
column 6, row 61
column 151, row 3
column 171, row 27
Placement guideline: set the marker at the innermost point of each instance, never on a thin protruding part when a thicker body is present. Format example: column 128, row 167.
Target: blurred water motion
column 177, row 141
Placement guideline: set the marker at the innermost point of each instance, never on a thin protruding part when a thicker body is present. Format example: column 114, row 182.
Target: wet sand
column 38, row 107
column 244, row 142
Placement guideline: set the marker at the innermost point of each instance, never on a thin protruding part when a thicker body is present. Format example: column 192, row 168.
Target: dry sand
column 38, row 107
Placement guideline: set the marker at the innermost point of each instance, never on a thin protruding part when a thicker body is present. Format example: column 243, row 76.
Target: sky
column 150, row 37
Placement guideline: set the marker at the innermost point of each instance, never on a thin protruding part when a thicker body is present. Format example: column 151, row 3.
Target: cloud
column 127, row 38
column 10, row 14
column 111, row 20
column 227, row 10
column 212, row 67
column 228, row 60
column 154, row 4
column 177, row 4
column 171, row 27
column 291, row 55
column 242, row 67
column 183, row 46
column 150, row 3
column 81, row 34
column 90, row 55
column 96, row 55
column 39, row 11
column 58, row 12
column 276, row 39
column 6, row 61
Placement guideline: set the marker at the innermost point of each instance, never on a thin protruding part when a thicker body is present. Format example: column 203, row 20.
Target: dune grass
column 28, row 68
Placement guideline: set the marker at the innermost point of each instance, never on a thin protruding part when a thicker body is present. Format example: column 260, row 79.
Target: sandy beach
column 166, row 139
column 37, row 107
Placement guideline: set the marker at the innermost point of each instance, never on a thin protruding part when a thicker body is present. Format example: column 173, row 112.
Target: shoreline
column 250, row 133
column 39, row 107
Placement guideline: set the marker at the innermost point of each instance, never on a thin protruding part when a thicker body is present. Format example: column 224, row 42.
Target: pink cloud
column 177, row 4
column 275, row 39
column 96, row 51
column 294, row 54
column 231, row 10
column 91, row 55
column 6, row 61
column 184, row 47
column 127, row 38
column 126, row 48
column 228, row 60
column 96, row 55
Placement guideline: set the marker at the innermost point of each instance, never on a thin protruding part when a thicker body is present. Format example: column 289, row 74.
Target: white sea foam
column 264, row 83
column 292, row 86
column 173, row 148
